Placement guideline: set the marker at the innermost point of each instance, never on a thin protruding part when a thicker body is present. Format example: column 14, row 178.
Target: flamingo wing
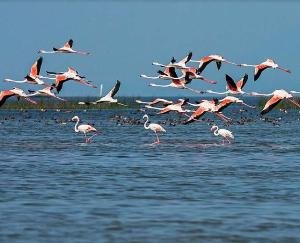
column 69, row 44
column 36, row 67
column 196, row 115
column 271, row 104
column 230, row 83
column 187, row 58
column 223, row 104
column 258, row 70
column 115, row 89
column 4, row 95
column 204, row 61
column 241, row 83
column 173, row 73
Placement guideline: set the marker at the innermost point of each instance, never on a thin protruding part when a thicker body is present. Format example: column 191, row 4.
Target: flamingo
column 84, row 128
column 71, row 74
column 269, row 63
column 166, row 75
column 154, row 102
column 228, row 100
column 45, row 92
column 154, row 127
column 194, row 75
column 109, row 98
column 179, row 84
column 203, row 107
column 172, row 107
column 67, row 48
column 204, row 61
column 33, row 76
column 232, row 87
column 277, row 96
column 226, row 134
column 181, row 64
column 5, row 94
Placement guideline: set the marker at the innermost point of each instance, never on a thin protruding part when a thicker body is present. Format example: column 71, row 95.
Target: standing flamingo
column 232, row 87
column 204, row 61
column 277, row 96
column 154, row 127
column 71, row 74
column 269, row 63
column 84, row 128
column 67, row 48
column 5, row 94
column 181, row 64
column 226, row 134
column 33, row 76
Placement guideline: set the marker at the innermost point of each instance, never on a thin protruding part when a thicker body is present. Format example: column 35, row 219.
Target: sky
column 125, row 37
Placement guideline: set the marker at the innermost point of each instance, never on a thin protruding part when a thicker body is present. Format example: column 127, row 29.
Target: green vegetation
column 71, row 103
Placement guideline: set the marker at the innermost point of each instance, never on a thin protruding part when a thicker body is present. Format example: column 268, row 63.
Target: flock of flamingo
column 188, row 73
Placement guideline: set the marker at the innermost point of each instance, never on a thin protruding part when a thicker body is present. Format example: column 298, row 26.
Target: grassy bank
column 71, row 103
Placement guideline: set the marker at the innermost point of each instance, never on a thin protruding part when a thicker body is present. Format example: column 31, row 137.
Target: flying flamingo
column 277, row 96
column 179, row 84
column 228, row 100
column 154, row 102
column 194, row 74
column 154, row 127
column 181, row 64
column 226, row 134
column 269, row 63
column 232, row 87
column 203, row 107
column 84, row 128
column 45, row 92
column 109, row 98
column 167, row 74
column 204, row 61
column 5, row 94
column 33, row 77
column 172, row 107
column 67, row 48
column 71, row 74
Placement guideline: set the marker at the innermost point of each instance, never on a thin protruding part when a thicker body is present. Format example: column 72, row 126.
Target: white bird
column 84, row 128
column 110, row 96
column 154, row 127
column 226, row 134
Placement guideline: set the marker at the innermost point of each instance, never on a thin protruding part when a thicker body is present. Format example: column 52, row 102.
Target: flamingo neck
column 75, row 128
column 145, row 126
column 216, row 132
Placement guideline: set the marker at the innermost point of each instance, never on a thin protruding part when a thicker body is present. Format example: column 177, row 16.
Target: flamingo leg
column 90, row 138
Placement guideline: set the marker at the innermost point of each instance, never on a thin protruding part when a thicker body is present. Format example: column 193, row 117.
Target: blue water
column 120, row 188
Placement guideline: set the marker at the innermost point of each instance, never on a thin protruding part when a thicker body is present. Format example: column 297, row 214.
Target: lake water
column 120, row 188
